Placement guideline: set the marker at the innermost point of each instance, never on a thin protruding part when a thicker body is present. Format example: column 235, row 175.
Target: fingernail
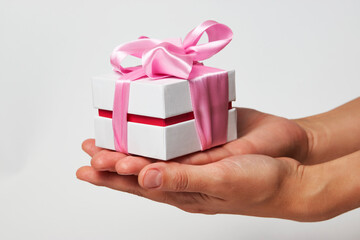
column 153, row 178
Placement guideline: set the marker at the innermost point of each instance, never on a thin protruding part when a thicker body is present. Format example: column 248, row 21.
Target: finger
column 205, row 157
column 106, row 160
column 176, row 177
column 111, row 180
column 237, row 147
column 89, row 147
column 131, row 165
column 129, row 184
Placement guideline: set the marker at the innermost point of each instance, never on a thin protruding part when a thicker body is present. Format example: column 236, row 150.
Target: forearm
column 323, row 191
column 333, row 134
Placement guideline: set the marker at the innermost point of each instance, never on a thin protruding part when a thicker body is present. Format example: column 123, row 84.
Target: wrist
column 303, row 195
column 332, row 134
column 315, row 135
column 320, row 192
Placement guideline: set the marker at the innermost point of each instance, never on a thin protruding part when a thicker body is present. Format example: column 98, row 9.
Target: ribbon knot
column 167, row 59
column 172, row 57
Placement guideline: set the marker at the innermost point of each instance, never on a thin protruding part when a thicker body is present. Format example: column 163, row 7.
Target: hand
column 259, row 133
column 252, row 184
column 248, row 184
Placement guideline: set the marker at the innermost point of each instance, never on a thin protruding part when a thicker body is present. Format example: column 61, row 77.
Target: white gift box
column 160, row 119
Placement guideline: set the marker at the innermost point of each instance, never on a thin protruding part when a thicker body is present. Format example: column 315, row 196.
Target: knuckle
column 180, row 181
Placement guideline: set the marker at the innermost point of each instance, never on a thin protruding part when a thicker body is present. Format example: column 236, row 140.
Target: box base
column 162, row 143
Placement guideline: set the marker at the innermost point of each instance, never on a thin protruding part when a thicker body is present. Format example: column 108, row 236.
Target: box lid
column 161, row 98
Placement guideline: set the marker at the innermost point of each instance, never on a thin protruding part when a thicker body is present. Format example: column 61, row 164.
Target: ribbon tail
column 120, row 108
column 119, row 121
column 209, row 97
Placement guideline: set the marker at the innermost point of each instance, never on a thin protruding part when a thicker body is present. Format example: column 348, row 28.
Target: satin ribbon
column 173, row 58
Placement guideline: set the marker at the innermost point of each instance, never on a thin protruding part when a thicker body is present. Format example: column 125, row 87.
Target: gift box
column 172, row 104
column 160, row 117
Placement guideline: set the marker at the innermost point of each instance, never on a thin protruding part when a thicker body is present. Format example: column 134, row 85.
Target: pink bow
column 172, row 58
column 161, row 59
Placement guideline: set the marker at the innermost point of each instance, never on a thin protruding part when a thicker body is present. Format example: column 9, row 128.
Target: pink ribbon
column 173, row 58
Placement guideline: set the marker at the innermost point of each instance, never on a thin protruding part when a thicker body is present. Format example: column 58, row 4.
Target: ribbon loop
column 135, row 48
column 219, row 36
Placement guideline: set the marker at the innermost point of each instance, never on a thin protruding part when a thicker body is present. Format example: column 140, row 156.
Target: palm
column 270, row 135
column 246, row 184
column 258, row 133
column 250, row 183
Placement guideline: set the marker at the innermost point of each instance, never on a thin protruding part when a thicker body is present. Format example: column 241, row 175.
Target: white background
column 292, row 58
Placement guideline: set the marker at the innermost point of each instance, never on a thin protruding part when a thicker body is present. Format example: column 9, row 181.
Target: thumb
column 177, row 177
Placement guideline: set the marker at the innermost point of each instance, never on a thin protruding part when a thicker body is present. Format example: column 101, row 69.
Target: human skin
column 254, row 185
column 230, row 180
